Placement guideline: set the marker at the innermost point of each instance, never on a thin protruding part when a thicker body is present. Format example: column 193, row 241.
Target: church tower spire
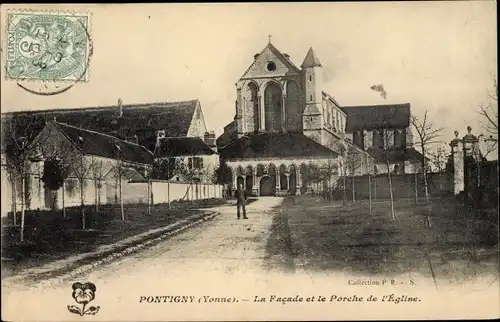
column 311, row 60
column 312, row 117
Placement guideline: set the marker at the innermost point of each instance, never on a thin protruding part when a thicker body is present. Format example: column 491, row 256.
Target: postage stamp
column 47, row 46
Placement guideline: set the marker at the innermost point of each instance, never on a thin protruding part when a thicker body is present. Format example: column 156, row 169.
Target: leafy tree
column 222, row 174
column 327, row 171
column 53, row 177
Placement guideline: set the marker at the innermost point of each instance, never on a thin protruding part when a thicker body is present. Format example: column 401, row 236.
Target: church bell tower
column 312, row 117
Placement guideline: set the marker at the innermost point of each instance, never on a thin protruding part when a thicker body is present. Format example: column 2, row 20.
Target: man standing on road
column 241, row 201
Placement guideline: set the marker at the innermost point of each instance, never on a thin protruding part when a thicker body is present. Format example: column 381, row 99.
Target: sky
column 439, row 56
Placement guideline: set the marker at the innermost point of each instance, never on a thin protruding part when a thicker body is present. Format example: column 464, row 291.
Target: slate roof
column 276, row 145
column 370, row 117
column 311, row 60
column 130, row 174
column 103, row 145
column 173, row 117
column 182, row 146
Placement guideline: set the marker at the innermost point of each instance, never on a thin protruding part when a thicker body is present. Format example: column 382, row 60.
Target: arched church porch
column 283, row 177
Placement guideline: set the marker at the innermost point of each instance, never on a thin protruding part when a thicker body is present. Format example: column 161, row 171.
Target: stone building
column 385, row 132
column 198, row 157
column 145, row 124
column 139, row 124
column 286, row 127
column 91, row 158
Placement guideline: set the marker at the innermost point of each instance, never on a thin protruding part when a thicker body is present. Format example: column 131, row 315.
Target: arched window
column 292, row 106
column 398, row 138
column 254, row 105
column 377, row 139
column 273, row 98
column 356, row 139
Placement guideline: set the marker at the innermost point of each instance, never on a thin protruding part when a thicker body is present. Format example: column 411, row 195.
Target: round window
column 271, row 66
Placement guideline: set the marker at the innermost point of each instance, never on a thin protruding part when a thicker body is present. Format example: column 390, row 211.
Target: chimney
column 159, row 135
column 287, row 56
column 210, row 139
column 120, row 108
column 256, row 56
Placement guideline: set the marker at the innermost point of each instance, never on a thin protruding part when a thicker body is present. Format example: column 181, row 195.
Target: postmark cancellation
column 49, row 46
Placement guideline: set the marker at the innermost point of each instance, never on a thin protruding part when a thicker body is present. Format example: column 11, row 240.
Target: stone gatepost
column 470, row 143
column 457, row 152
column 471, row 154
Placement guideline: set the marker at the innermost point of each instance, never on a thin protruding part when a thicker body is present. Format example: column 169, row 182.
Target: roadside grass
column 460, row 243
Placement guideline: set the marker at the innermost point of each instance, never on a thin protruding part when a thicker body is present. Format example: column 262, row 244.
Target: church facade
column 287, row 132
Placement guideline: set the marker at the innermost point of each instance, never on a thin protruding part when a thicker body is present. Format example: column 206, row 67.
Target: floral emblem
column 83, row 293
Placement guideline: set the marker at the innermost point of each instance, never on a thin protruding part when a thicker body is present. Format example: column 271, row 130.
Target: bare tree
column 98, row 173
column 369, row 170
column 19, row 134
column 427, row 134
column 343, row 149
column 66, row 169
column 415, row 184
column 119, row 172
column 387, row 148
column 12, row 171
column 439, row 158
column 354, row 161
column 81, row 169
column 208, row 176
column 168, row 167
column 148, row 174
column 489, row 115
column 489, row 112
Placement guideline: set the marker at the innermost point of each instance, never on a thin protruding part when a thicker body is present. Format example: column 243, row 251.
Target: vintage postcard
column 249, row 161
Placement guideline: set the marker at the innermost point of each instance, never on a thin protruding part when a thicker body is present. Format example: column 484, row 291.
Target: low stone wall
column 403, row 186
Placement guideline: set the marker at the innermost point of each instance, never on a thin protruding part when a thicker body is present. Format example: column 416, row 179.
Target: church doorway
column 304, row 174
column 239, row 182
column 267, row 186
